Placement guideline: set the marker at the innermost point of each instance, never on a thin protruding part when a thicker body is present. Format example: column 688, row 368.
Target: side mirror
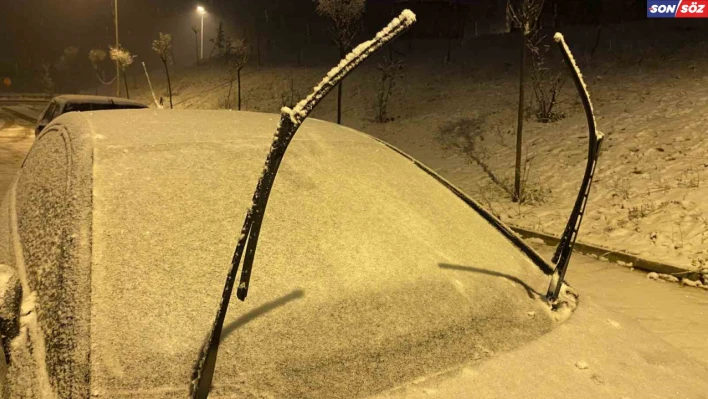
column 10, row 303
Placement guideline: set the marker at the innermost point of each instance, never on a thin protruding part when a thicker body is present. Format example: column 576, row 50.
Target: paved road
column 677, row 314
column 16, row 138
column 12, row 124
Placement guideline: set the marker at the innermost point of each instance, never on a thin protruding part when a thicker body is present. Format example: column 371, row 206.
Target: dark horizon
column 38, row 31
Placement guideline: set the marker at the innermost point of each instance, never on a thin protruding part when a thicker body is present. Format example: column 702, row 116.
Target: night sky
column 33, row 31
column 37, row 30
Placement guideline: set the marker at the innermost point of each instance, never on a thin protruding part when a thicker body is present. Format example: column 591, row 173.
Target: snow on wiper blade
column 290, row 121
column 561, row 257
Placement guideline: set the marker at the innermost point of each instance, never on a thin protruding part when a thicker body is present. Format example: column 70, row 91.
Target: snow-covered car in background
column 375, row 276
column 82, row 103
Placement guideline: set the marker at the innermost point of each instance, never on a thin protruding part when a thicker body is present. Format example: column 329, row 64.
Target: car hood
column 595, row 354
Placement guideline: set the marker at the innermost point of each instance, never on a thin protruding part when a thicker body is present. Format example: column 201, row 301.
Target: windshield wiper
column 290, row 121
column 561, row 257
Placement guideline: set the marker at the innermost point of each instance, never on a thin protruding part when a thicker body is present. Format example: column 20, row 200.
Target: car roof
column 369, row 271
column 88, row 99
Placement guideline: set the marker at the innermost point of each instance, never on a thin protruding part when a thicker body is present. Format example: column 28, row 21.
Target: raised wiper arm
column 290, row 121
column 561, row 257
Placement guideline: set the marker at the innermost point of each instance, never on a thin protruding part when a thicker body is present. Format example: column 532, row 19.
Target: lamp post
column 201, row 11
column 115, row 14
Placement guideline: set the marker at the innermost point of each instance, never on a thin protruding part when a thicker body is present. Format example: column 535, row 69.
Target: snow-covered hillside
column 649, row 85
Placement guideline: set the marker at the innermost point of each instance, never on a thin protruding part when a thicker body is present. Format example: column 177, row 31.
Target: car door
column 10, row 300
column 50, row 214
column 18, row 366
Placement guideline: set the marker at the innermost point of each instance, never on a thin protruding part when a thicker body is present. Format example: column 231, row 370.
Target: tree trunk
column 516, row 196
column 169, row 85
column 597, row 40
column 448, row 53
column 196, row 45
column 238, row 86
column 117, row 80
column 258, row 44
column 228, row 95
column 342, row 54
column 556, row 25
column 125, row 81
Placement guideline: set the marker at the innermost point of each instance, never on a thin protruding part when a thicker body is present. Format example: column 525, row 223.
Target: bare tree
column 290, row 96
column 454, row 10
column 258, row 42
column 220, row 42
column 46, row 78
column 237, row 57
column 97, row 57
column 346, row 17
column 524, row 15
column 196, row 41
column 67, row 65
column 124, row 60
column 547, row 84
column 163, row 47
column 391, row 70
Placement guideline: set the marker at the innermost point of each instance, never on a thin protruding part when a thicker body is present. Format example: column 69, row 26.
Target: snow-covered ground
column 649, row 86
column 16, row 138
column 677, row 314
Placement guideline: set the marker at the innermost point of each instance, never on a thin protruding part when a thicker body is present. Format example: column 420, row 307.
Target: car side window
column 71, row 107
column 56, row 112
column 48, row 112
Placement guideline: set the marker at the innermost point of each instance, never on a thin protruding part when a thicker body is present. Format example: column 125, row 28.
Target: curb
column 612, row 255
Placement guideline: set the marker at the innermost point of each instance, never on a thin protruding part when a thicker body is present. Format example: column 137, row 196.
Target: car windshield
column 371, row 272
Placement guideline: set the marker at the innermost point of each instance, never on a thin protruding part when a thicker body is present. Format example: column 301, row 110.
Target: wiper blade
column 290, row 121
column 561, row 257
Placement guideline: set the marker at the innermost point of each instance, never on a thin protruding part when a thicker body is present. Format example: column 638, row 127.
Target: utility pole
column 115, row 14
column 201, row 12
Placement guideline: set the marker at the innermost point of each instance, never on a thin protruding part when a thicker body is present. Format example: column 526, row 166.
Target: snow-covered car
column 375, row 276
column 81, row 103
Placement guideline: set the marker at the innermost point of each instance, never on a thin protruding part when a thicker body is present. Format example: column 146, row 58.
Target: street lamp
column 115, row 14
column 201, row 11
